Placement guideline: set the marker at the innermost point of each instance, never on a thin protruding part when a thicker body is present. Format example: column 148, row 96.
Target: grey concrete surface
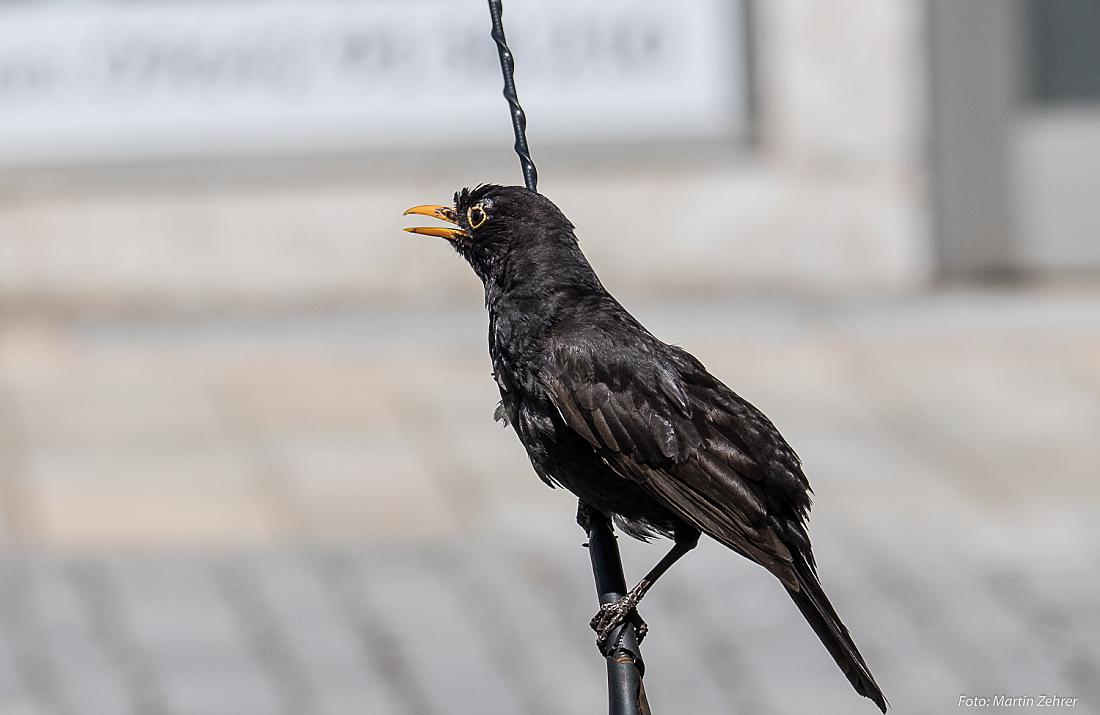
column 316, row 514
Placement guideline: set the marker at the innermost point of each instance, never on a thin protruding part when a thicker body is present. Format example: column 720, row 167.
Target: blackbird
column 637, row 429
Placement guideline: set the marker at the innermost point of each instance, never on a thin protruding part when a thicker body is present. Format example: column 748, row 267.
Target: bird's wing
column 656, row 416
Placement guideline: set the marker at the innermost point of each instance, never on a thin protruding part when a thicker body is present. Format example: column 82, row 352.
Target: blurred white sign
column 121, row 81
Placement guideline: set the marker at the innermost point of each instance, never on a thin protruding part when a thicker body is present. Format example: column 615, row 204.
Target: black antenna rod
column 625, row 689
column 519, row 119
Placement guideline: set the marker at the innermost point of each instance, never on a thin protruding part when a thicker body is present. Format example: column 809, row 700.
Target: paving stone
column 908, row 664
column 61, row 659
column 327, row 655
column 1054, row 600
column 15, row 697
column 548, row 647
column 193, row 643
column 84, row 673
column 780, row 646
column 451, row 663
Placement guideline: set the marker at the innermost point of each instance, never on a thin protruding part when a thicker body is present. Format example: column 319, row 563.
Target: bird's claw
column 611, row 615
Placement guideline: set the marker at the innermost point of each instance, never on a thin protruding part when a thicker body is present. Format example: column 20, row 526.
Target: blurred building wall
column 828, row 197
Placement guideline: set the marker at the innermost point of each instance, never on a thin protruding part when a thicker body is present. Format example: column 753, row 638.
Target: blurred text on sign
column 117, row 81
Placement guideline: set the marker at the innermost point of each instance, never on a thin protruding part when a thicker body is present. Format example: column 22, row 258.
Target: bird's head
column 490, row 222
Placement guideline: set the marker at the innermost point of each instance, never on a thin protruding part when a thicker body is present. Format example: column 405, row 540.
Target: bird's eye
column 476, row 216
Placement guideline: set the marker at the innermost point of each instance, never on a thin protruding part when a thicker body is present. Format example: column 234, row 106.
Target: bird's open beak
column 445, row 213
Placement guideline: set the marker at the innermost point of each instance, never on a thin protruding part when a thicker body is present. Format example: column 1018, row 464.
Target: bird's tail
column 815, row 606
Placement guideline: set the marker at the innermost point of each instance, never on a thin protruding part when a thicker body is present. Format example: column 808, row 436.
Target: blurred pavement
column 316, row 514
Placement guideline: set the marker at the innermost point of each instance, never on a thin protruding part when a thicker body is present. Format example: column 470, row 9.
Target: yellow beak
column 444, row 213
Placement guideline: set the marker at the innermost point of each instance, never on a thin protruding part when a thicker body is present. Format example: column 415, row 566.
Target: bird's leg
column 612, row 614
column 585, row 514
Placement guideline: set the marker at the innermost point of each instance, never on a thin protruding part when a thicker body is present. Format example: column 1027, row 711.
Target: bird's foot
column 611, row 615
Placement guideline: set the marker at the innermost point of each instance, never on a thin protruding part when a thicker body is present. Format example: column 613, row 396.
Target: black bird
column 637, row 429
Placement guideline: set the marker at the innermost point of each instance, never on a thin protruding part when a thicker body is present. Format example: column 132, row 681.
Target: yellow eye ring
column 476, row 216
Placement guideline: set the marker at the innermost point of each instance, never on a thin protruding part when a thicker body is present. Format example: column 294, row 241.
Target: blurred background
column 247, row 463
